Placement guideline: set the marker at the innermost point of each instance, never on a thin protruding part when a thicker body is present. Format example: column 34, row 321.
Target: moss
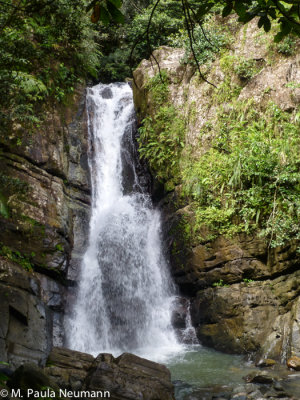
column 31, row 225
column 182, row 241
column 59, row 247
column 13, row 185
column 16, row 256
column 4, row 209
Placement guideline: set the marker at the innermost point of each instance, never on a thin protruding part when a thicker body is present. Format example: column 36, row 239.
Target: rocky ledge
column 127, row 377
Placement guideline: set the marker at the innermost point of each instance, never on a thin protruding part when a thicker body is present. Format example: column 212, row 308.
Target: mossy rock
column 30, row 376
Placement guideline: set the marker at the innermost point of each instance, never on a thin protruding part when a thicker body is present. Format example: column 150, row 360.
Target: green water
column 199, row 367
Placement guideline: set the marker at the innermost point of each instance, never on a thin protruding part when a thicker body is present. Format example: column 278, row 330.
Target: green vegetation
column 209, row 39
column 161, row 137
column 3, row 377
column 16, row 256
column 247, row 281
column 59, row 247
column 8, row 187
column 287, row 46
column 117, row 42
column 46, row 48
column 185, row 24
column 220, row 284
column 249, row 178
column 245, row 68
column 31, row 226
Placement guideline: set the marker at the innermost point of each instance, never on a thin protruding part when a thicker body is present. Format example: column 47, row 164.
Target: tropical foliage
column 153, row 23
column 46, row 47
column 249, row 178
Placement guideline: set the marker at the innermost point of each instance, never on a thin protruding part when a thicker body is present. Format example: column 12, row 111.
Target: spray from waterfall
column 125, row 293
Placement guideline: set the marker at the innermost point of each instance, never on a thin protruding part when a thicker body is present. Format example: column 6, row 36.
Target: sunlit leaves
column 284, row 12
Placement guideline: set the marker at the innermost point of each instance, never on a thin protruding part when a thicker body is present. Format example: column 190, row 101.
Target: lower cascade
column 125, row 294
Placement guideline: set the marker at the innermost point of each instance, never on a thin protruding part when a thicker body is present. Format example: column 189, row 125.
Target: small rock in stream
column 294, row 363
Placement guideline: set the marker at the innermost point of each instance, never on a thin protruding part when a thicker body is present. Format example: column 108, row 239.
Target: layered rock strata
column 45, row 200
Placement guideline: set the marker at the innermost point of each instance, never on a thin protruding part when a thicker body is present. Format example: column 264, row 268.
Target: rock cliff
column 245, row 293
column 45, row 203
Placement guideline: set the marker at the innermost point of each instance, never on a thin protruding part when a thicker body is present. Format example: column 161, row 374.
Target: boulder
column 257, row 318
column 266, row 363
column 260, row 377
column 130, row 377
column 30, row 376
column 68, row 368
column 127, row 377
column 294, row 363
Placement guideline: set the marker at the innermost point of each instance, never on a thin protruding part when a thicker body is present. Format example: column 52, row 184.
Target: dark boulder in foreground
column 127, row 377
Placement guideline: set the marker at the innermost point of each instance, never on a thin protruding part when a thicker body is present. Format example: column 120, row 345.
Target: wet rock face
column 45, row 185
column 243, row 258
column 135, row 173
column 259, row 317
column 26, row 324
column 179, row 314
column 127, row 377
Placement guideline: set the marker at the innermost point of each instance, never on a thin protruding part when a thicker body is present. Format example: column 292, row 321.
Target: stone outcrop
column 232, row 260
column 256, row 317
column 245, row 295
column 68, row 368
column 45, row 203
column 127, row 377
column 294, row 363
column 26, row 324
column 31, row 377
column 130, row 377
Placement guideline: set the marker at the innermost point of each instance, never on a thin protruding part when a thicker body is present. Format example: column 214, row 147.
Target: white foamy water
column 125, row 292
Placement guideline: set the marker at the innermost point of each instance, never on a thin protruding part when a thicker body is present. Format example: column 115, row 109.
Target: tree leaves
column 106, row 11
column 115, row 13
column 284, row 12
column 227, row 10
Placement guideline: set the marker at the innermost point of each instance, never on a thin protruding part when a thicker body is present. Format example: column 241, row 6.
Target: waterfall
column 125, row 294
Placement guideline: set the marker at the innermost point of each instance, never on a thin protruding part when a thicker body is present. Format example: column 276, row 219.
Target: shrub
column 249, row 179
column 161, row 135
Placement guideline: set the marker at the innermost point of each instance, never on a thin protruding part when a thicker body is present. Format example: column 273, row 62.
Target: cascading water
column 125, row 293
